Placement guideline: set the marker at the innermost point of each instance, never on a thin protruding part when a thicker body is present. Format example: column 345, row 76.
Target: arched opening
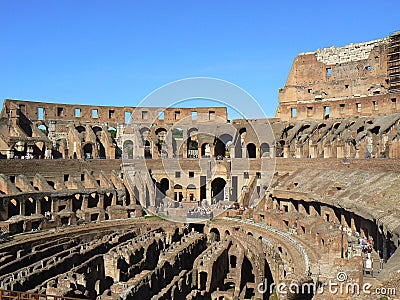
column 251, row 150
column 192, row 144
column 226, row 140
column 13, row 208
column 205, row 150
column 217, row 189
column 203, row 280
column 43, row 129
column 240, row 142
column 269, row 279
column 215, row 235
column 265, row 150
column 113, row 132
column 30, row 207
column 161, row 134
column 164, row 186
column 101, row 151
column 375, row 130
column 45, row 206
column 285, row 132
column 247, row 277
column 108, row 200
column 80, row 128
column 77, row 202
column 127, row 149
column 178, row 193
column 219, row 149
column 58, row 149
column 97, row 130
column 147, row 150
column 233, row 261
column 191, row 192
column 88, row 150
column 93, row 200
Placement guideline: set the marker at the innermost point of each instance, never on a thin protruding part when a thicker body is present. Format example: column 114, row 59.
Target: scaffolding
column 394, row 62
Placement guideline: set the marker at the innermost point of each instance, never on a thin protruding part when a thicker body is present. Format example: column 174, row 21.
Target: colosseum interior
column 80, row 219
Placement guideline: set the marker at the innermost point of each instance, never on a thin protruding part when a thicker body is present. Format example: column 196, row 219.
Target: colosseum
column 90, row 195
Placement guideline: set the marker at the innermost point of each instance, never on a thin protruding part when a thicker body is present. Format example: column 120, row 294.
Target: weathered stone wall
column 336, row 82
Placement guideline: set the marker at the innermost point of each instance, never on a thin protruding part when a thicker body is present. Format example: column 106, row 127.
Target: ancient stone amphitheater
column 85, row 194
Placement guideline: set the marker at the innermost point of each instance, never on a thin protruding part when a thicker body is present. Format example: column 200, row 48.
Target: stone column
column 53, row 205
column 114, row 198
column 38, row 206
column 285, row 151
column 10, row 153
column 85, row 202
column 21, row 207
column 100, row 204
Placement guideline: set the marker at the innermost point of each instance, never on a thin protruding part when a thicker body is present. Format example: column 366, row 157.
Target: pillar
column 85, row 202
column 21, row 207
column 38, row 206
column 100, row 204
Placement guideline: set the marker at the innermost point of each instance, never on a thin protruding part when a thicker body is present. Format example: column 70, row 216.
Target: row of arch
column 188, row 193
column 218, row 150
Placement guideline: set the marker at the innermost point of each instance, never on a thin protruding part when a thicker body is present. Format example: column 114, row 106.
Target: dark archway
column 45, row 206
column 147, row 150
column 191, row 190
column 219, row 149
column 215, row 236
column 30, row 207
column 251, row 150
column 80, row 128
column 217, row 189
column 88, row 150
column 13, row 208
column 164, row 186
column 205, row 150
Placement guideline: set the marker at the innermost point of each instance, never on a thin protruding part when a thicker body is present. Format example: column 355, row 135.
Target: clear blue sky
column 117, row 52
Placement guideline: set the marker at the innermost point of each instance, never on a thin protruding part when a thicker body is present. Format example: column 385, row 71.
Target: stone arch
column 251, row 150
column 221, row 143
column 161, row 134
column 30, row 206
column 178, row 193
column 217, row 189
column 265, row 150
column 13, row 208
column 88, row 150
column 80, row 128
column 43, row 128
column 192, row 143
column 206, row 150
column 191, row 191
column 127, row 149
column 215, row 235
column 113, row 132
column 97, row 130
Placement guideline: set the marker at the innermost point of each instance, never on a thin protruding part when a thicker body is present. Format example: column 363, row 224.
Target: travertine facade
column 355, row 80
